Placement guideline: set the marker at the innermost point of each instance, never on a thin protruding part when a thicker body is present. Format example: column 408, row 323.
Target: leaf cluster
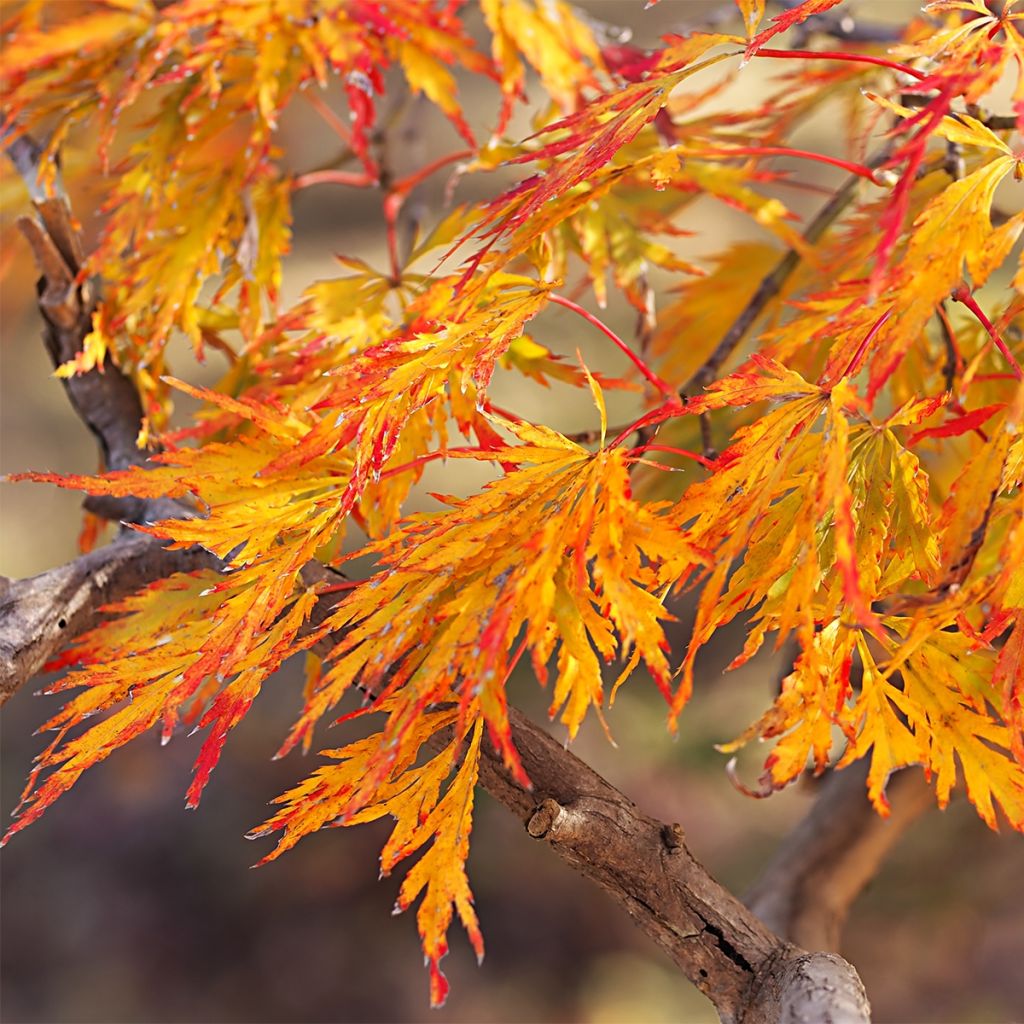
column 864, row 374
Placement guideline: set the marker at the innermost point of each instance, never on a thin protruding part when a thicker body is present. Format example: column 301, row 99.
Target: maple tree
column 861, row 376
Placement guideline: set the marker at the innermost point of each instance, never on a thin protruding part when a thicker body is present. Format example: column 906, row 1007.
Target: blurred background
column 119, row 907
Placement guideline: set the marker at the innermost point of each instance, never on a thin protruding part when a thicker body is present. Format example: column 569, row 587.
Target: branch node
column 544, row 818
column 673, row 837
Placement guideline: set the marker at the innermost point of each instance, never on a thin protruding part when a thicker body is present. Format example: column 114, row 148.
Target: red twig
column 855, row 58
column 335, row 588
column 705, row 462
column 993, row 376
column 859, row 169
column 392, row 206
column 407, row 184
column 422, row 460
column 337, row 125
column 673, row 407
column 354, row 179
column 499, row 410
column 395, row 194
column 649, row 374
column 961, row 294
column 514, row 661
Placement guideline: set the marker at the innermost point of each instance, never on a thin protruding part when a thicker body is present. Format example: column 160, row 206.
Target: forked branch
column 807, row 891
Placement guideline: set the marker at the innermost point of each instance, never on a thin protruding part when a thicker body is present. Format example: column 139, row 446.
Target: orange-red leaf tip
column 439, row 987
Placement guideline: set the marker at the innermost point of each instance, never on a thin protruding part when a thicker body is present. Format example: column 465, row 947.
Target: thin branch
column 954, row 364
column 707, row 440
column 1001, row 122
column 997, row 122
column 773, row 282
column 806, row 892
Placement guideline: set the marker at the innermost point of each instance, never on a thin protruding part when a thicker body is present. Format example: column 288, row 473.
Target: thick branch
column 38, row 616
column 748, row 972
column 806, row 893
column 821, row 987
column 643, row 864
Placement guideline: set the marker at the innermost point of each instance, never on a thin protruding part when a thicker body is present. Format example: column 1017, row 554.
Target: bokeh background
column 118, row 907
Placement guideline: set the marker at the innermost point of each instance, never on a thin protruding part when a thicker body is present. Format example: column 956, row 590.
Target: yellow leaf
column 753, row 12
column 556, row 555
column 553, row 40
column 373, row 778
column 175, row 646
column 595, row 390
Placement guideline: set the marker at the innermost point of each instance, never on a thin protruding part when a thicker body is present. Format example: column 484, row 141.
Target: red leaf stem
column 338, row 126
column 354, row 179
column 707, row 463
column 673, row 407
column 962, row 294
column 803, row 154
column 854, row 364
column 649, row 374
column 422, row 460
column 407, row 184
column 855, row 58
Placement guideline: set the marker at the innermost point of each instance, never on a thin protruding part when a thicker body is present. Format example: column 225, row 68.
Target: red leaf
column 959, row 425
column 787, row 20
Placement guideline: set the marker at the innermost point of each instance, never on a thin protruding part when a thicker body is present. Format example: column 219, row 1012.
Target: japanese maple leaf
column 579, row 572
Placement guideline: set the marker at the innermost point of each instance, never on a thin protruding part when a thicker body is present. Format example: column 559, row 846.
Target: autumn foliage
column 828, row 438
